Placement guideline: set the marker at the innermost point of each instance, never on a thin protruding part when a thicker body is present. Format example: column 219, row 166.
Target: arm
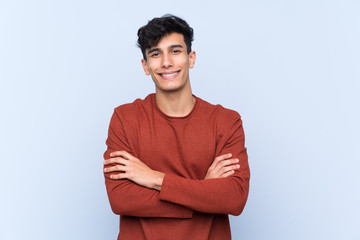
column 123, row 165
column 224, row 189
column 221, row 195
column 128, row 198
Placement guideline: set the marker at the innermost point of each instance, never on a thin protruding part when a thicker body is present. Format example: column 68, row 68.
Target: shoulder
column 134, row 106
column 219, row 112
column 132, row 111
column 224, row 121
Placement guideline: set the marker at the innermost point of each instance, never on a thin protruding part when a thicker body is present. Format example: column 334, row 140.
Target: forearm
column 221, row 195
column 128, row 198
column 218, row 195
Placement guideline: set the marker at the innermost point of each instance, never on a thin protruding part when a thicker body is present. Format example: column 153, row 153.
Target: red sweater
column 187, row 207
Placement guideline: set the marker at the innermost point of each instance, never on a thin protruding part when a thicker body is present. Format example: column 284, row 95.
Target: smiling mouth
column 169, row 75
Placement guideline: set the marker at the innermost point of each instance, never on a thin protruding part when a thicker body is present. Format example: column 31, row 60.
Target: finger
column 116, row 168
column 222, row 157
column 115, row 160
column 225, row 163
column 118, row 176
column 218, row 159
column 115, row 154
column 123, row 154
column 228, row 168
column 228, row 162
column 229, row 173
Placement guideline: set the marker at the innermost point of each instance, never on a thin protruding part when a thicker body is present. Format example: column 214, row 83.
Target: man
column 175, row 165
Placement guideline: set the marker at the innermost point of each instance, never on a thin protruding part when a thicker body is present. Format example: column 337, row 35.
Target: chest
column 186, row 150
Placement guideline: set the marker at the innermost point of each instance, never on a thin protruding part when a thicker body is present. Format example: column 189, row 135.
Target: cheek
column 151, row 67
column 186, row 63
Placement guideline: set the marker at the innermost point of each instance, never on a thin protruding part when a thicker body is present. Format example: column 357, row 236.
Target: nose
column 167, row 61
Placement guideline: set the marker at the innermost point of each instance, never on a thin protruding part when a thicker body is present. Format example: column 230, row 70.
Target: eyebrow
column 170, row 47
column 176, row 46
column 153, row 50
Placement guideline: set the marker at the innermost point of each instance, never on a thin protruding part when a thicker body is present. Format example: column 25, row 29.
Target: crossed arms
column 123, row 165
column 134, row 189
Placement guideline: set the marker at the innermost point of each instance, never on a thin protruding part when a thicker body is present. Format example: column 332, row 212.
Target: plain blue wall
column 290, row 68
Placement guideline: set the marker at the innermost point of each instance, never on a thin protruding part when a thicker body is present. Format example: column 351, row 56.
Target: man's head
column 166, row 46
column 150, row 34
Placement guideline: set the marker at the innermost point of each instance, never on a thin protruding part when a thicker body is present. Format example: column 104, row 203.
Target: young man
column 175, row 165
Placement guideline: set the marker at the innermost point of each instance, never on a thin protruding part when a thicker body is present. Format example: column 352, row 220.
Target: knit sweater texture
column 187, row 207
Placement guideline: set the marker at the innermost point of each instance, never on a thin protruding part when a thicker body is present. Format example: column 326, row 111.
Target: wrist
column 158, row 180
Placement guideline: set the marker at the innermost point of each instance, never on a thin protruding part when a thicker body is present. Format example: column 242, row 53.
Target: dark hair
column 150, row 34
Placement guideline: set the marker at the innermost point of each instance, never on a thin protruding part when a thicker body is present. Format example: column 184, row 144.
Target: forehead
column 170, row 40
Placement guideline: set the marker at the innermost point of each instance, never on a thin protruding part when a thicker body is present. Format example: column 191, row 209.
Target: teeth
column 169, row 74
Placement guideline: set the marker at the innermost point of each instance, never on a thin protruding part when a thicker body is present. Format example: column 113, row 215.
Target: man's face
column 168, row 63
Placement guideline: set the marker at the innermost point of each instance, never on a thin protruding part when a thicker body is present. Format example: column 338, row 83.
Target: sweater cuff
column 169, row 192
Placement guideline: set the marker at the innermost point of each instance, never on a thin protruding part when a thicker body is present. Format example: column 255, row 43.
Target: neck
column 177, row 103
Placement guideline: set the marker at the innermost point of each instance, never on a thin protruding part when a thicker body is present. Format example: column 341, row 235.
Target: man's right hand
column 223, row 166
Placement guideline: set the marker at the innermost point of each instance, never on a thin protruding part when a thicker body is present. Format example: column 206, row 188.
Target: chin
column 170, row 88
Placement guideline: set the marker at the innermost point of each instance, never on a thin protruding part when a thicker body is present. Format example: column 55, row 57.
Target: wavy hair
column 150, row 34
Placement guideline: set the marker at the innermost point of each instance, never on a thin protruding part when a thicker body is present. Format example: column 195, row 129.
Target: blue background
column 290, row 68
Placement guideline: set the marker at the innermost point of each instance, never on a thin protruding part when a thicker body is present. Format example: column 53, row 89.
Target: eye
column 176, row 51
column 155, row 54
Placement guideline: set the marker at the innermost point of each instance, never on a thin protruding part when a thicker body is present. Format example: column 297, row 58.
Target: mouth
column 169, row 75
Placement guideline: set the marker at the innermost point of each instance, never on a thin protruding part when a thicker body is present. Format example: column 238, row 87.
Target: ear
column 192, row 58
column 145, row 67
